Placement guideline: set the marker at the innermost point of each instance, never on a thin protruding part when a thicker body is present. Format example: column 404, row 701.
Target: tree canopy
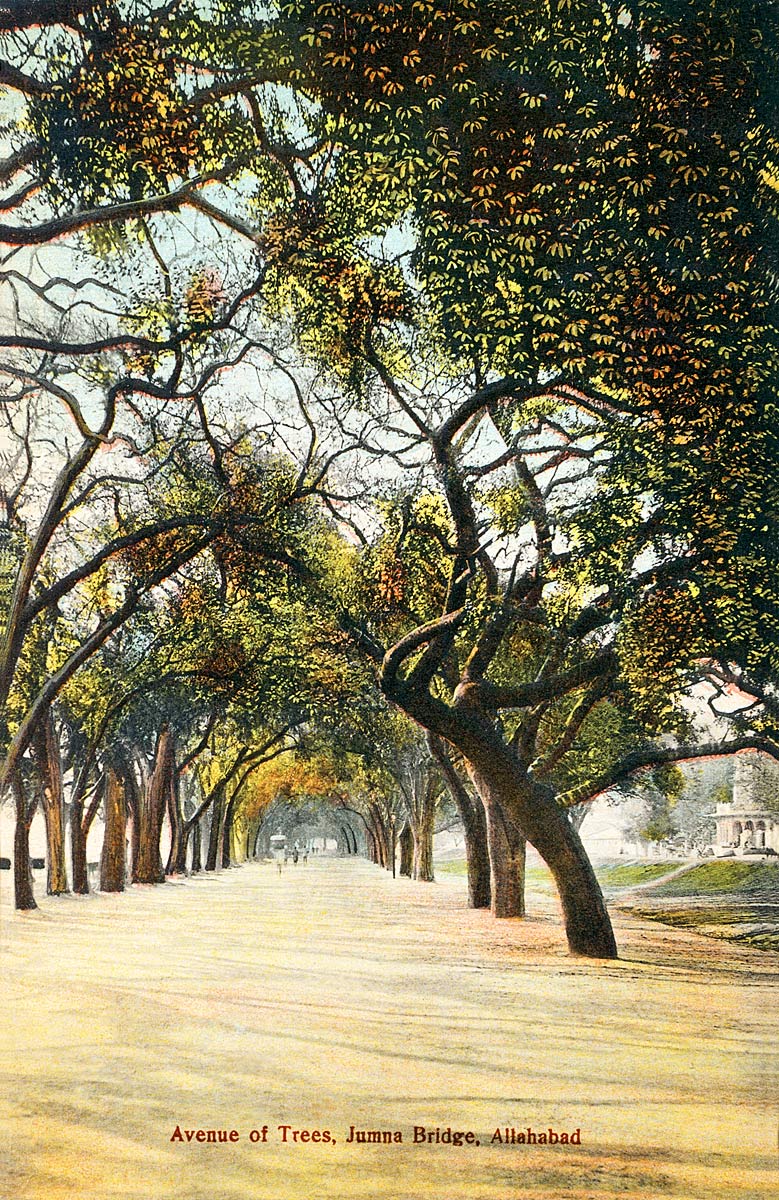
column 441, row 335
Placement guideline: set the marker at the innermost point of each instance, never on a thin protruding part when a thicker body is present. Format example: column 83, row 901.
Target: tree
column 128, row 112
column 529, row 257
column 106, row 516
column 562, row 330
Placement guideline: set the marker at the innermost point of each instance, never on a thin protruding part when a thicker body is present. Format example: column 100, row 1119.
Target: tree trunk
column 151, row 813
column 113, row 864
column 214, row 837
column 193, row 827
column 78, row 848
column 133, row 806
column 478, row 856
column 56, row 874
column 406, row 841
column 507, row 864
column 380, row 834
column 188, row 822
column 226, row 855
column 422, row 830
column 472, row 815
column 49, row 763
column 500, row 782
column 177, row 856
column 24, row 895
column 197, row 848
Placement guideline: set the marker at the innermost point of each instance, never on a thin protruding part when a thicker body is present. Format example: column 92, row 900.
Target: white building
column 750, row 821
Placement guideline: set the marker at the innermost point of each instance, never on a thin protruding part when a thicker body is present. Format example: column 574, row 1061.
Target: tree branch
column 525, row 695
column 640, row 760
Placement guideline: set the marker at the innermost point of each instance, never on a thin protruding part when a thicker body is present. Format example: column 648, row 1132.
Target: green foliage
column 593, row 202
column 117, row 121
column 581, row 194
column 574, row 168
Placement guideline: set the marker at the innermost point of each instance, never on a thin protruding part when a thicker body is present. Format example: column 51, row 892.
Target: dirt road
column 334, row 997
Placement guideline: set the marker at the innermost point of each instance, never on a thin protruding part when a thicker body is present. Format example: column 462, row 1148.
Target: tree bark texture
column 113, row 860
column 215, row 832
column 24, row 895
column 151, row 812
column 507, row 863
column 48, row 760
column 406, row 851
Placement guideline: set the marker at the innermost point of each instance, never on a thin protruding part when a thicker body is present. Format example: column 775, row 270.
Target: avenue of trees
column 388, row 423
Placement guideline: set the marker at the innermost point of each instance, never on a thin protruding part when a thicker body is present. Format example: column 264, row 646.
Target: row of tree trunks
column 135, row 796
column 517, row 810
column 383, row 838
column 495, row 845
column 348, row 838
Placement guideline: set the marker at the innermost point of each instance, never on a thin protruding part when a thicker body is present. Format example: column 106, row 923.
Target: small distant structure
column 750, row 821
column 607, row 831
column 278, row 849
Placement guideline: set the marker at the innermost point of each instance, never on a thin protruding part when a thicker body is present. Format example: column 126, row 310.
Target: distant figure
column 305, row 857
column 295, row 855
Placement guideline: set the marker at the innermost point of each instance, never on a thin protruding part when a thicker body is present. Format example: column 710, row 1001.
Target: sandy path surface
column 333, row 996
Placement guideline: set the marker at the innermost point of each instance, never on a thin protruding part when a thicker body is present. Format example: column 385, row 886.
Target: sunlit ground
column 334, row 996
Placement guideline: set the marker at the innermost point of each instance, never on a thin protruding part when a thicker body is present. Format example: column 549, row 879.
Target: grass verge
column 724, row 877
column 630, row 874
